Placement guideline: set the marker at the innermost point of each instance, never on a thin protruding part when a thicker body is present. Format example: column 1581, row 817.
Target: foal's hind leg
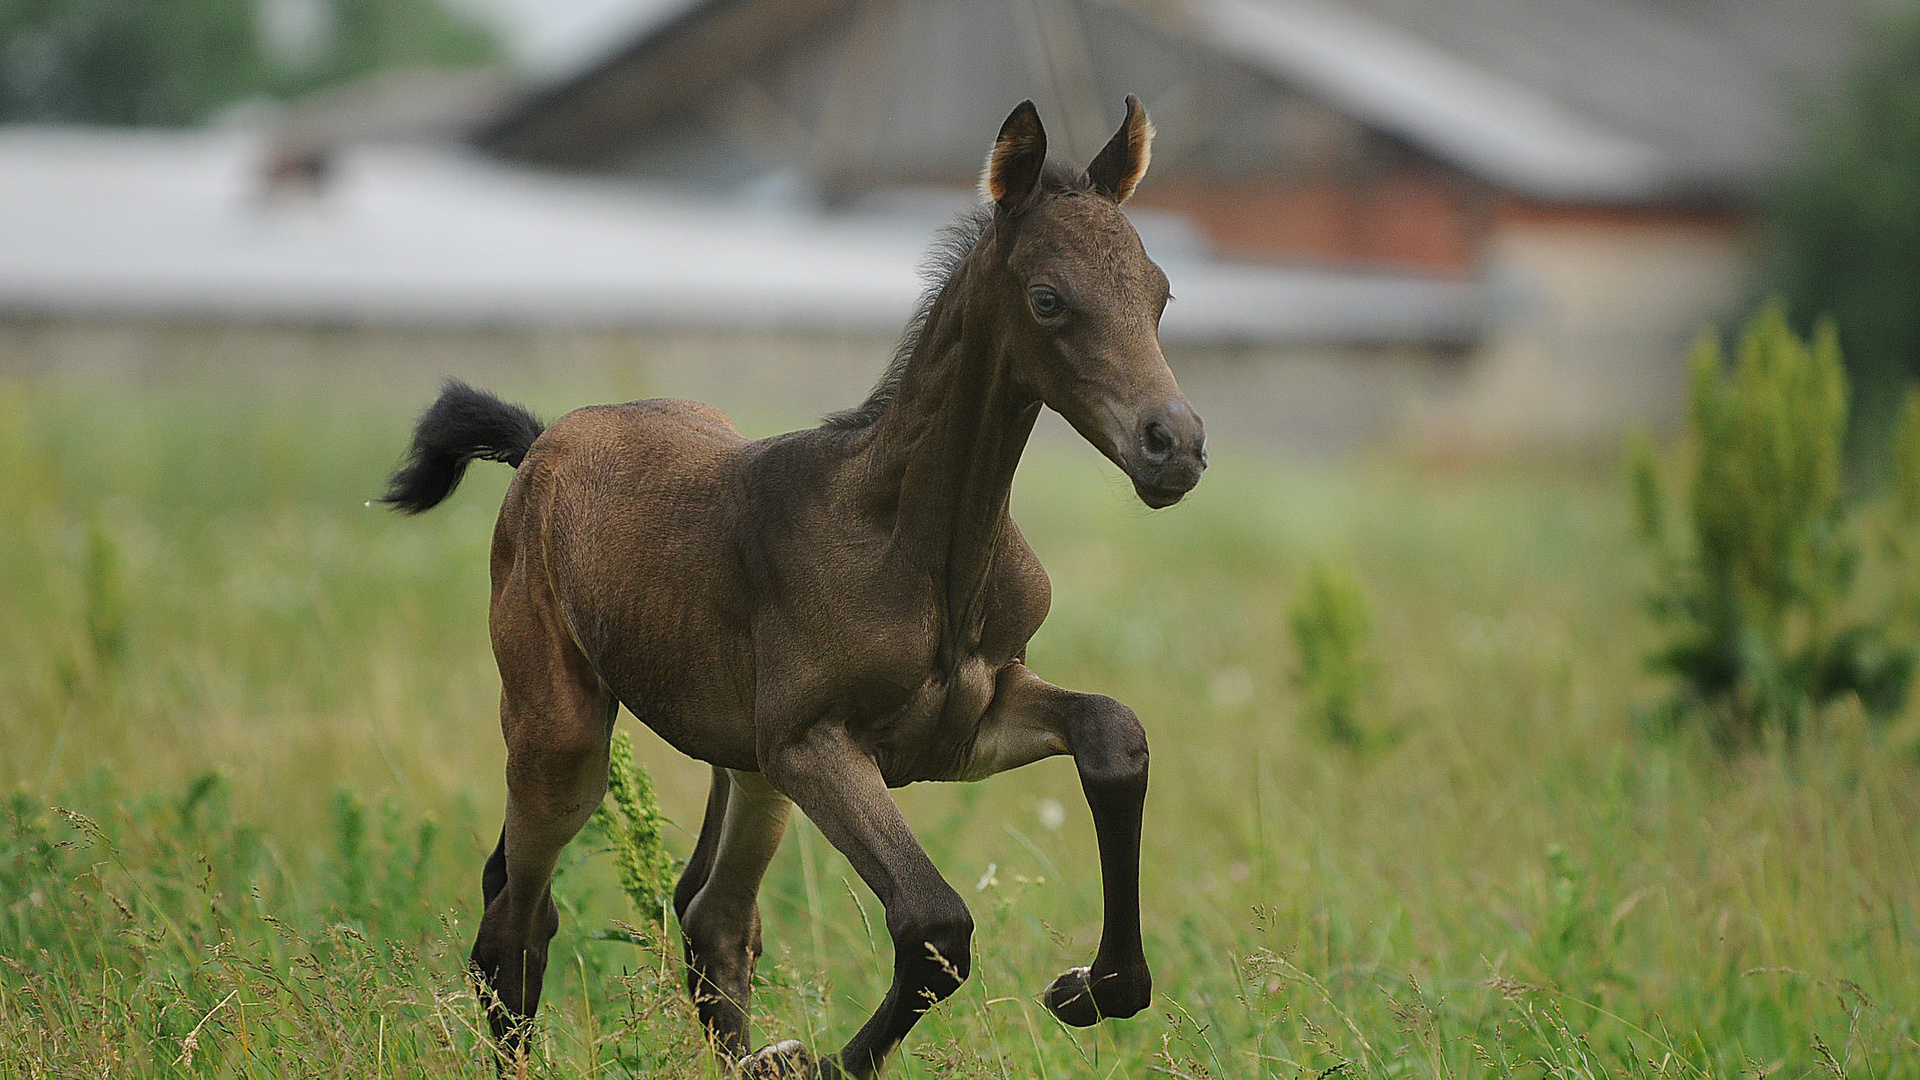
column 557, row 719
column 700, row 863
column 720, row 920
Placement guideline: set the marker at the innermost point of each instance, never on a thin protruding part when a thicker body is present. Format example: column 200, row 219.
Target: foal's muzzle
column 1168, row 454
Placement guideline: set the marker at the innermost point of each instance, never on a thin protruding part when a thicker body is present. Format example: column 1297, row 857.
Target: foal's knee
column 939, row 941
column 1109, row 744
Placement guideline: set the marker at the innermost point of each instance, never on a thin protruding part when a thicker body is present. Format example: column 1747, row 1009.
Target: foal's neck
column 944, row 451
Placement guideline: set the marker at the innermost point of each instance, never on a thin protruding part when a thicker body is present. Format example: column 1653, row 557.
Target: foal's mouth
column 1157, row 497
column 1168, row 453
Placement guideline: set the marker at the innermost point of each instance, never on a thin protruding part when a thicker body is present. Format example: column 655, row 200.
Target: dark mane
column 950, row 248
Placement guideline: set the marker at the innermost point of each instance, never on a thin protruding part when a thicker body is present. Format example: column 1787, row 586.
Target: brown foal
column 826, row 614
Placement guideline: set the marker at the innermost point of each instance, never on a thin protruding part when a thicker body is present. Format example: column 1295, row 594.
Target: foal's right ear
column 1013, row 166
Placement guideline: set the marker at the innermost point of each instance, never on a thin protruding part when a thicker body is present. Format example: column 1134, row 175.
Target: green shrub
column 1903, row 495
column 1756, row 601
column 376, row 881
column 106, row 604
column 1331, row 626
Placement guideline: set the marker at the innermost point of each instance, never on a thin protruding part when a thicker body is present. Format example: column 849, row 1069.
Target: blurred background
column 1455, row 224
column 1471, row 757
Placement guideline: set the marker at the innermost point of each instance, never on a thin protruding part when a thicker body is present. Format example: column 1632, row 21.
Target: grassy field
column 251, row 768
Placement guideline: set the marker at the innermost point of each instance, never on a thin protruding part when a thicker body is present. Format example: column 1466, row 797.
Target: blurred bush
column 176, row 62
column 1757, row 601
column 1844, row 226
column 1332, row 625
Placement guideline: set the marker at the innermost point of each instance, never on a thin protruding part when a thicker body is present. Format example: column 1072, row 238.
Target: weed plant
column 632, row 829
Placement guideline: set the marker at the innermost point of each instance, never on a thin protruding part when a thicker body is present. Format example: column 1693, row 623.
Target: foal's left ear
column 1118, row 168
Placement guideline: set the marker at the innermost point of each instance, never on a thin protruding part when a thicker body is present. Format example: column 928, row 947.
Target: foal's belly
column 707, row 724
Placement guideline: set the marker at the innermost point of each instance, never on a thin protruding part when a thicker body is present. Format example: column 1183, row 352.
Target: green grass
column 266, row 715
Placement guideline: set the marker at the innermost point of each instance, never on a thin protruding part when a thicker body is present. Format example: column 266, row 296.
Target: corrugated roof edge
column 1502, row 131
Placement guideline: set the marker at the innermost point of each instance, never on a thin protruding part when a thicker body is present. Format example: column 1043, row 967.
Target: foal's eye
column 1045, row 302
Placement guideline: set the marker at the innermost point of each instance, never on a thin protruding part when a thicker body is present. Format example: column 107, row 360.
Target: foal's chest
column 918, row 651
column 930, row 735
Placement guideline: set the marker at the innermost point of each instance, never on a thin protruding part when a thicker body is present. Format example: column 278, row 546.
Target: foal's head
column 1081, row 302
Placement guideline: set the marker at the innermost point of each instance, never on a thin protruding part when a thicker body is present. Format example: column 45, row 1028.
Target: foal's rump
column 620, row 520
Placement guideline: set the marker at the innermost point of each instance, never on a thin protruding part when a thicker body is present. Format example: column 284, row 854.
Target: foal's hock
column 828, row 613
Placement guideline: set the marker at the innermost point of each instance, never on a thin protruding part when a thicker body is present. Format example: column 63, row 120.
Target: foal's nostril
column 1157, row 441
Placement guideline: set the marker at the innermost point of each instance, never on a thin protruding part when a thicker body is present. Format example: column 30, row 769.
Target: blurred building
column 1479, row 221
column 1590, row 164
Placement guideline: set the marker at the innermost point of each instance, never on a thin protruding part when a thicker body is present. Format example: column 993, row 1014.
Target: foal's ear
column 1119, row 167
column 1013, row 165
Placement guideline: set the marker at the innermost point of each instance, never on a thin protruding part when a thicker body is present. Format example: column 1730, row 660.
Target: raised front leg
column 840, row 788
column 1030, row 719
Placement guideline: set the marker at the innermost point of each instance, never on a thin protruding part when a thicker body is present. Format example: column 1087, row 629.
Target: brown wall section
column 1723, row 222
column 1426, row 223
column 1430, row 224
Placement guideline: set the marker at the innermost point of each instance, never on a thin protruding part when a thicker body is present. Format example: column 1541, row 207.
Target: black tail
column 461, row 425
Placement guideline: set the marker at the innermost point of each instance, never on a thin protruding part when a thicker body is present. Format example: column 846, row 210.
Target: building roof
column 179, row 226
column 551, row 39
column 1490, row 125
column 1610, row 101
column 1601, row 100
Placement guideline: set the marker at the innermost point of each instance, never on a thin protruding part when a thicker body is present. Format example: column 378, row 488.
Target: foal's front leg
column 1031, row 718
column 840, row 788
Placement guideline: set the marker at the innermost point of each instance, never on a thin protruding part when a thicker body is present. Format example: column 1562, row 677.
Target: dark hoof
column 1075, row 1002
column 1071, row 999
column 787, row 1060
